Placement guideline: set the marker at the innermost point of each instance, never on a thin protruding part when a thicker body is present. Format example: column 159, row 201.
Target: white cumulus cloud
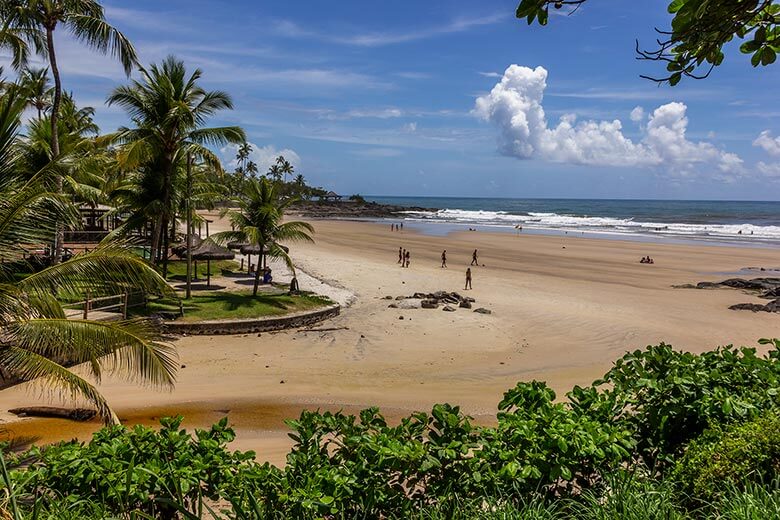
column 769, row 144
column 263, row 156
column 514, row 106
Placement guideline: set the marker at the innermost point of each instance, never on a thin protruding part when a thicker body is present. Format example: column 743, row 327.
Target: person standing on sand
column 444, row 259
column 407, row 258
column 402, row 226
column 474, row 258
column 400, row 255
column 468, row 278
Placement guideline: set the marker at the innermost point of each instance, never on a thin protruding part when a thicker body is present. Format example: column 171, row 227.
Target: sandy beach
column 563, row 308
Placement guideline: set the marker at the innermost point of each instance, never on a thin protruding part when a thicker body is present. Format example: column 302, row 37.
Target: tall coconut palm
column 259, row 222
column 37, row 342
column 285, row 167
column 36, row 86
column 34, row 22
column 169, row 110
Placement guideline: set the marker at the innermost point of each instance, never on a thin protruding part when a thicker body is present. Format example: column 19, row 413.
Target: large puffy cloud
column 263, row 156
column 514, row 106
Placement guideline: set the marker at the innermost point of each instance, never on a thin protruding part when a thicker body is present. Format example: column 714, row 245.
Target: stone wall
column 228, row 327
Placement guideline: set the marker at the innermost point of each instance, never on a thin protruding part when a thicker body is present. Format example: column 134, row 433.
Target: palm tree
column 36, row 86
column 33, row 22
column 285, row 167
column 37, row 341
column 251, row 169
column 169, row 110
column 275, row 173
column 258, row 221
column 81, row 164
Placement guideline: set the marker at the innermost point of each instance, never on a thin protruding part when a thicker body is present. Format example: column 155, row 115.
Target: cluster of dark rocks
column 768, row 288
column 350, row 210
column 449, row 301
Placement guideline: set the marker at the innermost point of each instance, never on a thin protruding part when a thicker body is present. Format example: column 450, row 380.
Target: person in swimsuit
column 444, row 259
column 474, row 258
column 468, row 278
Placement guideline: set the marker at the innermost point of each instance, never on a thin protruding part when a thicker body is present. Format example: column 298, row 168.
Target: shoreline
column 563, row 309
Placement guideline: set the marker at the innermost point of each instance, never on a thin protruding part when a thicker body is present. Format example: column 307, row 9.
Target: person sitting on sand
column 643, row 260
column 468, row 278
column 267, row 278
column 444, row 259
column 474, row 258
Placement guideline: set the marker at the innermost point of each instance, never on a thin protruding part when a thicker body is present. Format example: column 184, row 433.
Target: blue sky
column 382, row 97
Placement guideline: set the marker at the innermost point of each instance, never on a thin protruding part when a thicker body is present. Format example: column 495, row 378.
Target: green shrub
column 726, row 457
column 666, row 398
column 155, row 472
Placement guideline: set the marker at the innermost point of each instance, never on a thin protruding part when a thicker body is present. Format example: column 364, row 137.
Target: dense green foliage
column 708, row 422
column 699, row 31
column 668, row 397
column 724, row 457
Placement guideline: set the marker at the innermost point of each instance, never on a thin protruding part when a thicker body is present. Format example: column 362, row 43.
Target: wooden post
column 181, row 308
column 124, row 306
column 86, row 306
column 242, row 264
column 208, row 271
column 249, row 264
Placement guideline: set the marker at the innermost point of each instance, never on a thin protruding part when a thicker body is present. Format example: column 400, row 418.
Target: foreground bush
column 667, row 398
column 583, row 458
column 735, row 456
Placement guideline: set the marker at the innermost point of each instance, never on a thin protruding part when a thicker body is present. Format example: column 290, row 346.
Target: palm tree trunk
column 154, row 254
column 55, row 138
column 257, row 282
column 165, row 248
column 188, row 203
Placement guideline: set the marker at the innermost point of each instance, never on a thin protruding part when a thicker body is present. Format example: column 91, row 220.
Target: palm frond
column 29, row 366
column 111, row 267
column 130, row 348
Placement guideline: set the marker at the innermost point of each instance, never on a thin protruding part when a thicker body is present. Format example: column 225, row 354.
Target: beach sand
column 563, row 308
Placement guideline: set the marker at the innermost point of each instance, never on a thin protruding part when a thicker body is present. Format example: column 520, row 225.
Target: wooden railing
column 118, row 303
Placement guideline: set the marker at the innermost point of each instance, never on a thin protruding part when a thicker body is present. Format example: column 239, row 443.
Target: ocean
column 729, row 222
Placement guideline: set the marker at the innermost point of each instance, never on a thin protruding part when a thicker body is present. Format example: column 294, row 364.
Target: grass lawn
column 238, row 305
column 177, row 269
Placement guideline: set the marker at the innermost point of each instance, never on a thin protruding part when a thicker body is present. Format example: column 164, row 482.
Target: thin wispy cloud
column 376, row 39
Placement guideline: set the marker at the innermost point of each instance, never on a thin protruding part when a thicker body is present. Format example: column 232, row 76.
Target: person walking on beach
column 474, row 258
column 400, row 255
column 444, row 259
column 402, row 226
column 468, row 278
column 407, row 257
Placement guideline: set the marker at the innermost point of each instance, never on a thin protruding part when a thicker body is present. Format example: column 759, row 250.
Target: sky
column 458, row 98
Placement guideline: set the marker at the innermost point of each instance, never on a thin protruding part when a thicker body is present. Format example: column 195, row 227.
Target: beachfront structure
column 331, row 196
column 97, row 221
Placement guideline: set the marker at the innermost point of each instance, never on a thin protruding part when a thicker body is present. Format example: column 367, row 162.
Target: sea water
column 742, row 222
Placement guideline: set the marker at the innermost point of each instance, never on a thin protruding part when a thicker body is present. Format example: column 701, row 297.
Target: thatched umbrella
column 180, row 248
column 209, row 251
column 236, row 246
column 252, row 249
